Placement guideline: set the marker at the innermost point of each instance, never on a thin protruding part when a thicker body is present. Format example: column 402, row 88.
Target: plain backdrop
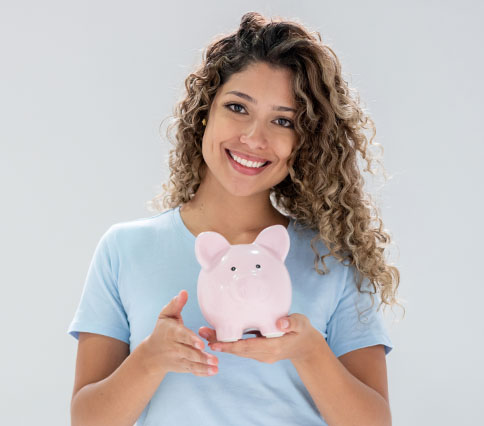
column 84, row 87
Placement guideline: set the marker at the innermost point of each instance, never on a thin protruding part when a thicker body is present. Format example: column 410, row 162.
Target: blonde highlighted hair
column 324, row 189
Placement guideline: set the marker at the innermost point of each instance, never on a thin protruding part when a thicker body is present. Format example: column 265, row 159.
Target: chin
column 245, row 191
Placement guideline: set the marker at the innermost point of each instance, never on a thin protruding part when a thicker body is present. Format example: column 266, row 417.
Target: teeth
column 252, row 164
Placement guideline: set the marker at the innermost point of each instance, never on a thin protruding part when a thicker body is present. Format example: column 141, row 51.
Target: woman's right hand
column 172, row 347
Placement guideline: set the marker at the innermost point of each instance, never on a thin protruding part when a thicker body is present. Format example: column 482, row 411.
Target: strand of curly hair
column 324, row 189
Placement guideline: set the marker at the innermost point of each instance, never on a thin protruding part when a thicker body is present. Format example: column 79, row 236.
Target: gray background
column 84, row 87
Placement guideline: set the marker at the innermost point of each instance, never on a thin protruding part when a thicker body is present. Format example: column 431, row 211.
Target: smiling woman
column 252, row 132
column 267, row 133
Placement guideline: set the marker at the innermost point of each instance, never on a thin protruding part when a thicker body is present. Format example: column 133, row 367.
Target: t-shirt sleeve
column 100, row 309
column 347, row 331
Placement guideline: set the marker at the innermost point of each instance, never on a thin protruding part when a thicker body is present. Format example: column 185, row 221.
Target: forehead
column 262, row 81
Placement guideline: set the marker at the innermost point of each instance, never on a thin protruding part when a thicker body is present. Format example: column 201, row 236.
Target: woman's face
column 255, row 123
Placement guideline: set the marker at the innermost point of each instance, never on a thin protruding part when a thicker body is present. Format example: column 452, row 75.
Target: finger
column 198, row 369
column 174, row 307
column 196, row 356
column 208, row 334
column 294, row 322
column 188, row 337
column 244, row 347
column 249, row 347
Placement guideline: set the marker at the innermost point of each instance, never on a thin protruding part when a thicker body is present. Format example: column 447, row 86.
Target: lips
column 247, row 157
column 250, row 171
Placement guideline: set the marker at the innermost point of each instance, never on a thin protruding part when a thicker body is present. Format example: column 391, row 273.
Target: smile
column 248, row 168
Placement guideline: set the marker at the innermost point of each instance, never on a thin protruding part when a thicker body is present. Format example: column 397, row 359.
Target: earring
column 204, row 122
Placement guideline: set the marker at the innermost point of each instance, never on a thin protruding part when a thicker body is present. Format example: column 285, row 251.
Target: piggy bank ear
column 276, row 239
column 209, row 248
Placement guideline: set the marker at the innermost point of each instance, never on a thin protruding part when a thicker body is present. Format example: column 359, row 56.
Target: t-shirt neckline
column 186, row 233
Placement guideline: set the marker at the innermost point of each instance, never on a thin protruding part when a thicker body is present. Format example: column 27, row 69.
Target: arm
column 112, row 386
column 341, row 397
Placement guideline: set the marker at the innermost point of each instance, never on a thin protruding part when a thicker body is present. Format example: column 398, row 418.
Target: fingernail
column 212, row 361
column 284, row 323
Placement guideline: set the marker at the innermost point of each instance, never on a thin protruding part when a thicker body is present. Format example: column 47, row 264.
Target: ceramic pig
column 243, row 287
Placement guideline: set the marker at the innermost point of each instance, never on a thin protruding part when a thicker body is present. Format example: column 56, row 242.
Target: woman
column 267, row 114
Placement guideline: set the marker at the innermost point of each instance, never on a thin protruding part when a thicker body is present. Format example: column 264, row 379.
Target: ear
column 276, row 239
column 209, row 248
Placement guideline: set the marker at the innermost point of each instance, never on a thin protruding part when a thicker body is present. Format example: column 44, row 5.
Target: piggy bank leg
column 271, row 331
column 228, row 334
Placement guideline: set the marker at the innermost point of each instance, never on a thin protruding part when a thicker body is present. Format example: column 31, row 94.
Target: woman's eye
column 236, row 105
column 288, row 125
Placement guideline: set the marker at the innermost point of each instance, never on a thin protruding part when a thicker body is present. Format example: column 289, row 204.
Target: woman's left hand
column 299, row 342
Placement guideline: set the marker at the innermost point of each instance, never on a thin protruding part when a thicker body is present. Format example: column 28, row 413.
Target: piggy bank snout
column 250, row 288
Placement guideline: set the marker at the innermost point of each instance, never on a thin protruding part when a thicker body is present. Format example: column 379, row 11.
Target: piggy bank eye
column 257, row 266
column 233, row 268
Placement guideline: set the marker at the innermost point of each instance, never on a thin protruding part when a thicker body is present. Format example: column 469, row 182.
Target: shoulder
column 341, row 276
column 138, row 233
column 301, row 237
column 304, row 242
column 140, row 226
column 323, row 279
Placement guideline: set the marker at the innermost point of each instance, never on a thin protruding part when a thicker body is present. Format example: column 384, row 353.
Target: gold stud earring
column 204, row 122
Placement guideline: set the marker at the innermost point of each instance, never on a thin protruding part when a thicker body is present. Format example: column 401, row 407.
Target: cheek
column 286, row 151
column 221, row 131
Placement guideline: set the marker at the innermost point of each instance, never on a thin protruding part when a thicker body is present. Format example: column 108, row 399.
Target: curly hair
column 324, row 189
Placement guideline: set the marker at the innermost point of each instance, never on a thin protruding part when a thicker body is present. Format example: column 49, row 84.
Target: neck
column 212, row 208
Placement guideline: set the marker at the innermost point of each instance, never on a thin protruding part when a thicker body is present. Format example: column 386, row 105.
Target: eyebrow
column 251, row 99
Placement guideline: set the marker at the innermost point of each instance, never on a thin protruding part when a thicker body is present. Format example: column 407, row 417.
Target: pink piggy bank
column 244, row 286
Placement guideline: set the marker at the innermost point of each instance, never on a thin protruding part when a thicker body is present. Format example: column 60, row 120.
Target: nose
column 254, row 137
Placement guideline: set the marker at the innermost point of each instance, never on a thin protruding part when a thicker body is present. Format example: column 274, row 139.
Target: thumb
column 294, row 322
column 175, row 305
column 284, row 324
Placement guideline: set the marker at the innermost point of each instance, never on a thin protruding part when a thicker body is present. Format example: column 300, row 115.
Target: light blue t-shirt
column 140, row 265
